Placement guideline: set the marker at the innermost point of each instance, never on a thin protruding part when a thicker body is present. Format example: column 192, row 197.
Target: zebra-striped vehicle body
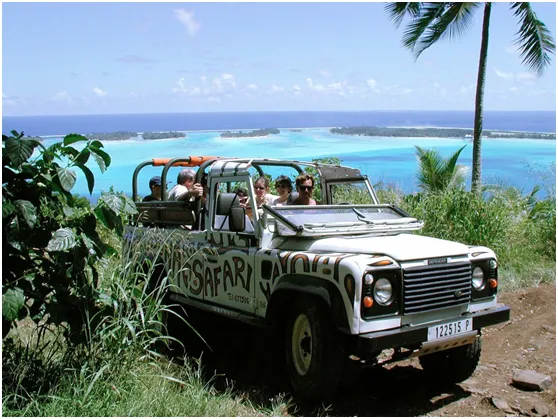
column 344, row 283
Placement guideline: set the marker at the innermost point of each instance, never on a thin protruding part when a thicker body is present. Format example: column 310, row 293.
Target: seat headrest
column 225, row 202
column 292, row 196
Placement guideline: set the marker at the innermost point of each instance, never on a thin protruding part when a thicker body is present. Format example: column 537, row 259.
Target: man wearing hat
column 155, row 186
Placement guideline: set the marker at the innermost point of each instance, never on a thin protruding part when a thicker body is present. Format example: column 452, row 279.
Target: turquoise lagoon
column 517, row 162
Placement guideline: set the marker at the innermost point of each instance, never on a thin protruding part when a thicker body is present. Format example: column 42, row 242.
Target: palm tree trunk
column 476, row 176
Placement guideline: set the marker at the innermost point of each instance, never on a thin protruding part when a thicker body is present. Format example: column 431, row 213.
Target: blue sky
column 95, row 58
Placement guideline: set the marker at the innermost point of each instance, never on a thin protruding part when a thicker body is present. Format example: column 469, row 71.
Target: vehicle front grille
column 436, row 286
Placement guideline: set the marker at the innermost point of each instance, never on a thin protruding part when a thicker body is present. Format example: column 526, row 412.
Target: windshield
column 322, row 215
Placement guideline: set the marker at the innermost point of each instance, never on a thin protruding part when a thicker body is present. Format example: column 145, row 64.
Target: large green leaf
column 27, row 210
column 101, row 157
column 12, row 301
column 13, row 233
column 62, row 239
column 113, row 201
column 89, row 176
column 129, row 206
column 83, row 156
column 7, row 209
column 67, row 178
column 73, row 138
column 19, row 150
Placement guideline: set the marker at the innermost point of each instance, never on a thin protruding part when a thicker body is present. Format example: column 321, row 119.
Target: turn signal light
column 368, row 302
column 493, row 282
column 381, row 263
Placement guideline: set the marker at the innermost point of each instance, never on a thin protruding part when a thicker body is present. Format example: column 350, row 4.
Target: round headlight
column 493, row 264
column 368, row 279
column 383, row 291
column 478, row 279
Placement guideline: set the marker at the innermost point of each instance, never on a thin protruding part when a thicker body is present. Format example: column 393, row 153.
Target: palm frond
column 429, row 14
column 454, row 22
column 398, row 10
column 534, row 40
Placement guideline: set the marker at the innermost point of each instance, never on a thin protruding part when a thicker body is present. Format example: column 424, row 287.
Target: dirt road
column 528, row 341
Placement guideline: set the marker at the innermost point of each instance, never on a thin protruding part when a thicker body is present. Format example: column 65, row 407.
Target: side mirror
column 237, row 219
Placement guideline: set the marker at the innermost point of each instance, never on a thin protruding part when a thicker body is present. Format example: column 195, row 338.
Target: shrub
column 50, row 239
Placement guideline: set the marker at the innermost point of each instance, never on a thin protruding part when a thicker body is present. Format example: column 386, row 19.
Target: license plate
column 447, row 330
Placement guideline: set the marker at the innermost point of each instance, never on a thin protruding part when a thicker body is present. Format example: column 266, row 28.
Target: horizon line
column 283, row 111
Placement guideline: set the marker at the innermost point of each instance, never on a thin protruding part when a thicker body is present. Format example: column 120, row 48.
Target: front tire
column 315, row 357
column 453, row 365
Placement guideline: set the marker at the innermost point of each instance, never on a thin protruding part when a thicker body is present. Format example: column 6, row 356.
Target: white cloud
column 465, row 90
column 324, row 73
column 514, row 89
column 505, row 76
column 187, row 19
column 277, row 89
column 522, row 77
column 203, row 79
column 319, row 87
column 371, row 83
column 309, row 83
column 62, row 97
column 296, row 89
column 252, row 87
column 99, row 92
column 441, row 90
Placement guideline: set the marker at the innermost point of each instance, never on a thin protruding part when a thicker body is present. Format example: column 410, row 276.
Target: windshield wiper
column 362, row 217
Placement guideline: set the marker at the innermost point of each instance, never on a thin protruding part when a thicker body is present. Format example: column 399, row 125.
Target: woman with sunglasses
column 261, row 186
column 284, row 187
column 304, row 186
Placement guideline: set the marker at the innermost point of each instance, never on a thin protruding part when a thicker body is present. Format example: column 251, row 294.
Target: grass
column 118, row 370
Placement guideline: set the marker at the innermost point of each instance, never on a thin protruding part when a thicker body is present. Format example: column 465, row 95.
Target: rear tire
column 453, row 365
column 315, row 358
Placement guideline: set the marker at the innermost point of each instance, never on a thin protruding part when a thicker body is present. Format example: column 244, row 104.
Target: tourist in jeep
column 185, row 188
column 305, row 187
column 261, row 187
column 155, row 187
column 284, row 187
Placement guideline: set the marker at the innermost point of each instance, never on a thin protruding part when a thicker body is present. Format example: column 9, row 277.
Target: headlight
column 493, row 264
column 383, row 291
column 368, row 279
column 478, row 279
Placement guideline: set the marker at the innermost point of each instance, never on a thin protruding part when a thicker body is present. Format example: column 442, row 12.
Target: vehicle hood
column 400, row 247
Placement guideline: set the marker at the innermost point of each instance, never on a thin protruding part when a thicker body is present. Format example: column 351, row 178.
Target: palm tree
column 435, row 173
column 431, row 22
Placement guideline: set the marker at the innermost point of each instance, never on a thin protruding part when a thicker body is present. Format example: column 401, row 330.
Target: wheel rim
column 302, row 344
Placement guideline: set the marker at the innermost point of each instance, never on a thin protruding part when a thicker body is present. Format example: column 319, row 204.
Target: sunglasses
column 306, row 188
column 281, row 186
column 259, row 187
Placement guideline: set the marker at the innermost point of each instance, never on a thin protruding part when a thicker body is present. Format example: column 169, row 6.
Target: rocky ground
column 527, row 342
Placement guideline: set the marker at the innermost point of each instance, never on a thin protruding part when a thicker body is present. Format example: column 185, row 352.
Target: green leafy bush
column 50, row 239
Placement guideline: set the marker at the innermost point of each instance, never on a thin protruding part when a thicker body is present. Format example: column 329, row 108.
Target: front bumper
column 413, row 336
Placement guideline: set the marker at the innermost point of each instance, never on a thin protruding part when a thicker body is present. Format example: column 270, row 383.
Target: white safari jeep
column 342, row 282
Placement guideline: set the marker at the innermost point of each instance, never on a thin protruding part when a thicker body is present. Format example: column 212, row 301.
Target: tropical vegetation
column 90, row 333
column 431, row 22
column 437, row 132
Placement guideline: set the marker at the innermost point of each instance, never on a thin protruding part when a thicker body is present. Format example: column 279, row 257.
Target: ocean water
column 522, row 163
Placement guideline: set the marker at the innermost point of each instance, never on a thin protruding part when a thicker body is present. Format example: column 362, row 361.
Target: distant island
column 161, row 135
column 112, row 136
column 256, row 133
column 295, row 130
column 437, row 132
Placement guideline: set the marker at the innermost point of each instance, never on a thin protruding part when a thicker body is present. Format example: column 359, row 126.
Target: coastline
column 303, row 130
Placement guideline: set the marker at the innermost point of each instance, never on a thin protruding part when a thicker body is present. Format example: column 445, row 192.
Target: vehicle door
column 229, row 271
